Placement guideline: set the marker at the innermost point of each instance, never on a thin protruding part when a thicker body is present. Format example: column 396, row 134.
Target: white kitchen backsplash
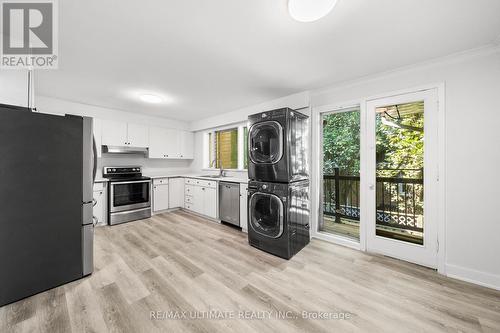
column 150, row 166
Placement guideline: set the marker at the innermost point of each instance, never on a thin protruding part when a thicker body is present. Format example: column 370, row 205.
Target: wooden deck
column 180, row 262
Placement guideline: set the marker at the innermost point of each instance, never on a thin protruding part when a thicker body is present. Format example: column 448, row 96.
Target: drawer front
column 160, row 181
column 98, row 187
column 201, row 182
column 189, row 190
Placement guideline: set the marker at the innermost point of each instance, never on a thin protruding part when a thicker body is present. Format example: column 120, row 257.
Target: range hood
column 124, row 150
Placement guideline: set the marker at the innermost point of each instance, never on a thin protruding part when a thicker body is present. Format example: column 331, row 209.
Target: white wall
column 296, row 101
column 13, row 90
column 151, row 166
column 472, row 134
column 14, row 87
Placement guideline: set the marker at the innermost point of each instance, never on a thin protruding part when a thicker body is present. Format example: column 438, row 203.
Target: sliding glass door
column 341, row 176
column 379, row 185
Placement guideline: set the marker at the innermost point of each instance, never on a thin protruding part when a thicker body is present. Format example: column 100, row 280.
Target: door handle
column 371, row 187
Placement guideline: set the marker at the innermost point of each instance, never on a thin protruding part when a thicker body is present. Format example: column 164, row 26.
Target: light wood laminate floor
column 180, row 262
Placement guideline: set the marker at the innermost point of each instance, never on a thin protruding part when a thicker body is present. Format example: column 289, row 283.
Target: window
column 223, row 149
column 245, row 147
column 227, row 148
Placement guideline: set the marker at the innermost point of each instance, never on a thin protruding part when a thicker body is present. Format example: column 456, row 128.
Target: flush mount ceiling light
column 149, row 98
column 310, row 10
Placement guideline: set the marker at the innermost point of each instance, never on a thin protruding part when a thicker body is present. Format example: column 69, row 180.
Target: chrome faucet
column 221, row 167
column 221, row 170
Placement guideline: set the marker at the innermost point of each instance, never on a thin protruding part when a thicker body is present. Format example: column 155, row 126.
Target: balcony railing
column 399, row 200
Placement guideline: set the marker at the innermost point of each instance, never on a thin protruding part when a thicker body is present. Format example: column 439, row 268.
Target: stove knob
column 113, row 170
column 264, row 187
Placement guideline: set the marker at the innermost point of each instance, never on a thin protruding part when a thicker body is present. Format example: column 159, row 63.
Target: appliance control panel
column 129, row 170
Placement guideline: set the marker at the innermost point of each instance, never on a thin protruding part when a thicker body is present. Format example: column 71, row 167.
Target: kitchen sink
column 211, row 176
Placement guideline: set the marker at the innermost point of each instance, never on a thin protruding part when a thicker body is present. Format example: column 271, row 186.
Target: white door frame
column 425, row 254
column 316, row 169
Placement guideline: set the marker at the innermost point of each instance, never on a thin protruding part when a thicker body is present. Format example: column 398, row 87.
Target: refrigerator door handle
column 94, row 158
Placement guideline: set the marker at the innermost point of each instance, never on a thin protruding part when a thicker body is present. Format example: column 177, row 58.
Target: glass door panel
column 266, row 214
column 400, row 172
column 341, row 177
column 266, row 142
column 130, row 193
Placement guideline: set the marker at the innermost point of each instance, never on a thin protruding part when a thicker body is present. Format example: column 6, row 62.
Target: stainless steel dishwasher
column 229, row 203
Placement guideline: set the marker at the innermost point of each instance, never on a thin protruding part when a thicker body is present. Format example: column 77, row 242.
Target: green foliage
column 341, row 143
column 397, row 148
column 400, row 149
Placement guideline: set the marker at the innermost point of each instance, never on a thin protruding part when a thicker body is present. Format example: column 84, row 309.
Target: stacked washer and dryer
column 278, row 188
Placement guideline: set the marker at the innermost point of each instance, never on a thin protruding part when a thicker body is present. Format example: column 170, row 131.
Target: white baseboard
column 473, row 276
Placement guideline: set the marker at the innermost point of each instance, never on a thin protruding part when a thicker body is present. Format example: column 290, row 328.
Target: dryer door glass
column 266, row 214
column 266, row 142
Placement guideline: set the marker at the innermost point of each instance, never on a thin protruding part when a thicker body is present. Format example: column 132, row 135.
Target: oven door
column 131, row 195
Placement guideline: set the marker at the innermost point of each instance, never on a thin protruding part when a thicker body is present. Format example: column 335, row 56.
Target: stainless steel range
column 129, row 194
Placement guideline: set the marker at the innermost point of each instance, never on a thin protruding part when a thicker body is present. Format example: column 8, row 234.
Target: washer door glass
column 266, row 214
column 266, row 142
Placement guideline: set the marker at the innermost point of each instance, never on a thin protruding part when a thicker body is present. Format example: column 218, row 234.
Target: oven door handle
column 132, row 182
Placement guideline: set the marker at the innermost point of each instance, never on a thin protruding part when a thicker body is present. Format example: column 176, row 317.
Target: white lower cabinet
column 100, row 203
column 244, row 207
column 176, row 193
column 200, row 196
column 160, row 194
column 210, row 207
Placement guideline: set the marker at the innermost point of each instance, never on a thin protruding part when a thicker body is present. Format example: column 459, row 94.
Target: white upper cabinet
column 162, row 142
column 187, row 145
column 118, row 133
column 170, row 143
column 157, row 139
column 138, row 135
column 114, row 133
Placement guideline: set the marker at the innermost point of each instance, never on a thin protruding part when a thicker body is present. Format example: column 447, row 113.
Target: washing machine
column 277, row 146
column 278, row 217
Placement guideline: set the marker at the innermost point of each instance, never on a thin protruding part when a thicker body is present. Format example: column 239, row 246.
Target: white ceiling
column 214, row 56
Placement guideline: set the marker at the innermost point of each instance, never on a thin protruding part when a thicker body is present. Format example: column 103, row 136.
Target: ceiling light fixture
column 148, row 98
column 310, row 10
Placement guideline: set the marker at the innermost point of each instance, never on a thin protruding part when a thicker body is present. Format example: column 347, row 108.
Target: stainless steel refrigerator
column 47, row 169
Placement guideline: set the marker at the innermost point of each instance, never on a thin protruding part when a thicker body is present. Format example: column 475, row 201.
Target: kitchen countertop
column 196, row 176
